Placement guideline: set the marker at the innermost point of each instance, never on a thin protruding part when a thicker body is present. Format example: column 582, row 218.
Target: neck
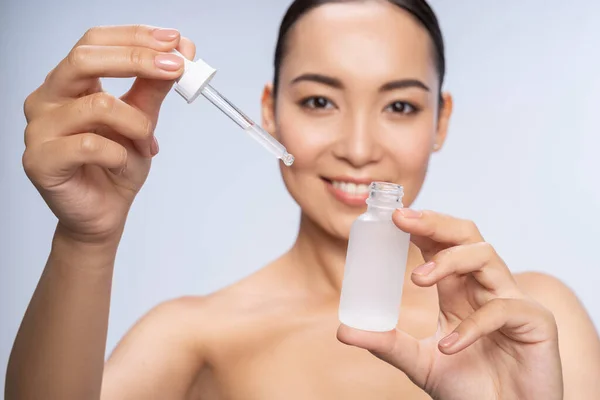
column 317, row 259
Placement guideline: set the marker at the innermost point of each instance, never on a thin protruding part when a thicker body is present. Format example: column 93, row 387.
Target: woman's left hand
column 492, row 342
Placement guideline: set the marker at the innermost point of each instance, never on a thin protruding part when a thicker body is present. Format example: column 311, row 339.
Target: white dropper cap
column 196, row 75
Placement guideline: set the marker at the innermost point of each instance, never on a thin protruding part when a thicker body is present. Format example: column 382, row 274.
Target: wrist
column 85, row 251
column 105, row 240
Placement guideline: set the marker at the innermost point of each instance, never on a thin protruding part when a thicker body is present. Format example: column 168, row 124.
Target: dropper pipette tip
column 287, row 159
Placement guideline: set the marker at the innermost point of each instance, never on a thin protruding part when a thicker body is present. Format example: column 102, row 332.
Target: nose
column 358, row 143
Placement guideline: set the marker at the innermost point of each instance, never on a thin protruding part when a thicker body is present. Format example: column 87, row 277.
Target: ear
column 443, row 121
column 268, row 110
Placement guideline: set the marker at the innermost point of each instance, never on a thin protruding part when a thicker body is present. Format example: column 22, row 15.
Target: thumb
column 395, row 347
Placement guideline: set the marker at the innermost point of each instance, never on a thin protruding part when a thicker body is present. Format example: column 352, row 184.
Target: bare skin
column 278, row 340
column 276, row 334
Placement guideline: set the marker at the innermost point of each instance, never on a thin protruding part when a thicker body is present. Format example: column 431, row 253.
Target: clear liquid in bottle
column 375, row 264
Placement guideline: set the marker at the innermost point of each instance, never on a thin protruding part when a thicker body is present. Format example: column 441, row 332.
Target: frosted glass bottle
column 375, row 264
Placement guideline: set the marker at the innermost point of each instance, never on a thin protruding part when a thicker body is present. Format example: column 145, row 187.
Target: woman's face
column 357, row 102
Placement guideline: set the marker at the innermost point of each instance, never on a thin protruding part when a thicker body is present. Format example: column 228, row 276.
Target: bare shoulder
column 159, row 356
column 253, row 293
column 578, row 338
column 192, row 318
column 545, row 288
column 165, row 350
column 554, row 294
column 263, row 292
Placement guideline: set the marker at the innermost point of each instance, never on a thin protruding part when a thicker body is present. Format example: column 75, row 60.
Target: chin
column 329, row 206
column 341, row 228
column 337, row 221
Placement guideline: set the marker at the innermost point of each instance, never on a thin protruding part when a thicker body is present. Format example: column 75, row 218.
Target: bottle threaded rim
column 387, row 187
column 385, row 194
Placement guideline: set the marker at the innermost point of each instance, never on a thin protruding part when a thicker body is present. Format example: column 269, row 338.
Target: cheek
column 415, row 135
column 411, row 153
column 409, row 150
column 306, row 138
column 306, row 142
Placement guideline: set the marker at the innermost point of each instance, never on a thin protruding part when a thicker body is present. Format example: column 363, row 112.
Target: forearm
column 60, row 347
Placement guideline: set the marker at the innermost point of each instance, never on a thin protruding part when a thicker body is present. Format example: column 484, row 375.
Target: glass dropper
column 254, row 130
column 195, row 81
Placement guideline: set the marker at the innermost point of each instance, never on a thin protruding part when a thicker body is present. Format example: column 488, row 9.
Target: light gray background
column 521, row 159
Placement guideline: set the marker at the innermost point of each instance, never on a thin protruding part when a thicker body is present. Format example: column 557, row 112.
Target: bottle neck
column 380, row 212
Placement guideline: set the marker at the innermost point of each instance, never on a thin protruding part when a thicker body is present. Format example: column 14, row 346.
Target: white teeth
column 362, row 189
column 351, row 188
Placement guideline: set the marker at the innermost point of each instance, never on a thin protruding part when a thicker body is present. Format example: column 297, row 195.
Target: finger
column 521, row 320
column 395, row 347
column 429, row 229
column 148, row 94
column 439, row 227
column 31, row 105
column 161, row 39
column 89, row 113
column 55, row 161
column 76, row 73
column 479, row 259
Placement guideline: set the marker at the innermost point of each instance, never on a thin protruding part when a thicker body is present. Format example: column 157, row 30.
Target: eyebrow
column 404, row 84
column 337, row 84
column 325, row 80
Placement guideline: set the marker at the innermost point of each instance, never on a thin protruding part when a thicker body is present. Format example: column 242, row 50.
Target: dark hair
column 419, row 9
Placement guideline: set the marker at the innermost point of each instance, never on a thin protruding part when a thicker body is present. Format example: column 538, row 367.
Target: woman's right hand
column 87, row 152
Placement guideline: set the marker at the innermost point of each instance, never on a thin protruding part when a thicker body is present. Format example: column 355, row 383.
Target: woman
column 356, row 98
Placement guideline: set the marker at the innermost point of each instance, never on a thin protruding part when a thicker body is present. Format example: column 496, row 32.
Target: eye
column 401, row 107
column 317, row 102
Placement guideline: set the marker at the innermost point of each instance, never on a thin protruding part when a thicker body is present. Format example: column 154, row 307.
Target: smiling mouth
column 351, row 188
column 351, row 192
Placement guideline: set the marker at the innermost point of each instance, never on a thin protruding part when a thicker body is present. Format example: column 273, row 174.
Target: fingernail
column 409, row 213
column 154, row 147
column 449, row 340
column 165, row 35
column 424, row 269
column 168, row 62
